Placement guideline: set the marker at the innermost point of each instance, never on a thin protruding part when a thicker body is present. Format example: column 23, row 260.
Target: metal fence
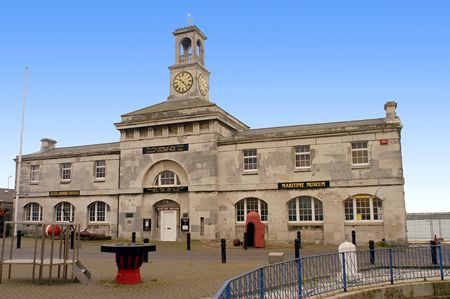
column 316, row 275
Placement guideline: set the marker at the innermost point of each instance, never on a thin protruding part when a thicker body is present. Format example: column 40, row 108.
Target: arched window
column 98, row 211
column 246, row 205
column 305, row 208
column 33, row 212
column 167, row 178
column 64, row 211
column 363, row 207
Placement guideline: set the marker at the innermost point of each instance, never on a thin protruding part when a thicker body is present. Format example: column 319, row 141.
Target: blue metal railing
column 322, row 274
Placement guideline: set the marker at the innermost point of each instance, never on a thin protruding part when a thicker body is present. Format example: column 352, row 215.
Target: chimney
column 390, row 107
column 47, row 143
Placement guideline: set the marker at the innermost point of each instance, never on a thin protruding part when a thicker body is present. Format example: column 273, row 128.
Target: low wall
column 425, row 289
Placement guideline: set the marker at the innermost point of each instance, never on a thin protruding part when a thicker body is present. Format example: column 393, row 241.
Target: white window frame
column 30, row 211
column 60, row 216
column 162, row 178
column 313, row 210
column 35, row 173
column 66, row 172
column 94, row 210
column 364, row 147
column 303, row 151
column 100, row 169
column 250, row 160
column 373, row 215
column 264, row 217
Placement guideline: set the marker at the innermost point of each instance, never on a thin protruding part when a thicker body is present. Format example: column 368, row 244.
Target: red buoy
column 50, row 228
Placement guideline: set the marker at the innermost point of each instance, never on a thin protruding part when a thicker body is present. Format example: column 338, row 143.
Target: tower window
column 167, row 178
column 185, row 50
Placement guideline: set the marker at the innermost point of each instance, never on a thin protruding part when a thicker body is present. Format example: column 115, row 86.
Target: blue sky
column 272, row 63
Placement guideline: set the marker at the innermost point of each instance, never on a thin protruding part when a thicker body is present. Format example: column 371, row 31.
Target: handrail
column 334, row 272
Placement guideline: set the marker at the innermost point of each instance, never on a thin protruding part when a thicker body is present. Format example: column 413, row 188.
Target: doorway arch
column 167, row 214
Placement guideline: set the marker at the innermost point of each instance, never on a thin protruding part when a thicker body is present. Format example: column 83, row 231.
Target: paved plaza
column 172, row 271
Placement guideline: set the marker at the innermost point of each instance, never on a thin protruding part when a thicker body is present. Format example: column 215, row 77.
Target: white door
column 168, row 225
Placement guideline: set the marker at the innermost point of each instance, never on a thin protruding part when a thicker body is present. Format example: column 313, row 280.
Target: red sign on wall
column 384, row 141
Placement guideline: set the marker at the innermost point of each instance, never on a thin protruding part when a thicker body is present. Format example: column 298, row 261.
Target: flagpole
column 19, row 165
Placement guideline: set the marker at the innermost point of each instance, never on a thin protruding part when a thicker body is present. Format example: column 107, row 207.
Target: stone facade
column 187, row 159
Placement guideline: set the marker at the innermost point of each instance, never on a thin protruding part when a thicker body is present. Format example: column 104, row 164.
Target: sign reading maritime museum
column 165, row 149
column 304, row 185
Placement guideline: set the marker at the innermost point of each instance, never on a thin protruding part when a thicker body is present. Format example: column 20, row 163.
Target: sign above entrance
column 179, row 189
column 64, row 193
column 165, row 149
column 304, row 185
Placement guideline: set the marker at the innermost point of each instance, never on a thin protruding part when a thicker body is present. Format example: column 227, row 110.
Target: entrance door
column 250, row 234
column 168, row 225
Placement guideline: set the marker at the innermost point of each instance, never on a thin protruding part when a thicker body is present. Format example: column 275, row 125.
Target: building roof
column 309, row 130
column 75, row 151
column 171, row 106
column 7, row 195
column 177, row 111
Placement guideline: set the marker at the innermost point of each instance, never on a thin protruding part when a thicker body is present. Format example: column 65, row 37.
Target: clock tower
column 189, row 79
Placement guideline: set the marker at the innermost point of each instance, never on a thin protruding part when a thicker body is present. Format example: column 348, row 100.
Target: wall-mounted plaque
column 64, row 193
column 165, row 149
column 178, row 189
column 304, row 185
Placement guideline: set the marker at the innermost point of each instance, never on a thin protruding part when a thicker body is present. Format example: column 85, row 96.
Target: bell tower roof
column 188, row 29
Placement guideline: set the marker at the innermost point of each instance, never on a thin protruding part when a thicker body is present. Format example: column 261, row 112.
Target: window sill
column 306, row 169
column 305, row 223
column 98, row 223
column 253, row 172
column 363, row 222
column 65, row 182
column 34, row 183
column 362, row 166
column 100, row 180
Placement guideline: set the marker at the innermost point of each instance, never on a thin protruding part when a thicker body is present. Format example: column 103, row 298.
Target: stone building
column 185, row 164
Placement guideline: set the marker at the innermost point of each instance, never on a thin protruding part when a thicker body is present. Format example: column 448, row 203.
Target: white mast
column 16, row 203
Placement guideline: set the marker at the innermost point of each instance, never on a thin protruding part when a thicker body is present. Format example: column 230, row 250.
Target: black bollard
column 19, row 239
column 245, row 241
column 188, row 241
column 72, row 238
column 297, row 248
column 372, row 251
column 299, row 237
column 354, row 237
column 133, row 237
column 223, row 246
column 433, row 252
column 146, row 253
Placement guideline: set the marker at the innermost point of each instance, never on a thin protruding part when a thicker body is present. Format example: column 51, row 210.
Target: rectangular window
column 240, row 216
column 35, row 172
column 349, row 209
column 157, row 131
column 302, row 156
column 362, row 209
column 202, row 226
column 66, row 171
column 377, row 209
column 250, row 160
column 305, row 211
column 173, row 130
column 293, row 210
column 129, row 133
column 143, row 132
column 100, row 169
column 188, row 128
column 360, row 153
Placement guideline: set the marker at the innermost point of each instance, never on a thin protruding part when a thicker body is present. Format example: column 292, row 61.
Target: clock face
column 182, row 82
column 203, row 84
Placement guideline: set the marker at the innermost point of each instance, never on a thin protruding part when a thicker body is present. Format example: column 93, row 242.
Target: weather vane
column 189, row 19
